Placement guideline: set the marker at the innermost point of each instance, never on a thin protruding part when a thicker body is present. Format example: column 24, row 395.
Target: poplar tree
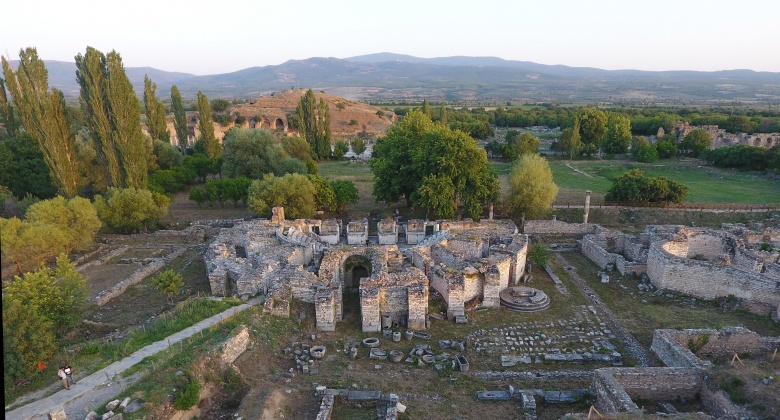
column 307, row 117
column 42, row 113
column 443, row 119
column 179, row 117
column 113, row 116
column 155, row 113
column 213, row 148
column 323, row 129
column 6, row 110
column 426, row 108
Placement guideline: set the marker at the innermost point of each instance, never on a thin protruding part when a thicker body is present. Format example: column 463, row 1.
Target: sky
column 211, row 37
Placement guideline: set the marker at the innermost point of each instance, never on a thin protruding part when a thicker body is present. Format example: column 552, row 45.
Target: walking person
column 61, row 374
column 69, row 374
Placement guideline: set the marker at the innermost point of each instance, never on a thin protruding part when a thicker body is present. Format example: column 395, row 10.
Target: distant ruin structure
column 720, row 138
column 306, row 259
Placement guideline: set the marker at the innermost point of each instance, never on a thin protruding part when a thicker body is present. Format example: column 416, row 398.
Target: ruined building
column 307, row 260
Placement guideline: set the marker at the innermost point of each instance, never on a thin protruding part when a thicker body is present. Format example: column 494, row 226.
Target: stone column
column 587, row 207
column 490, row 211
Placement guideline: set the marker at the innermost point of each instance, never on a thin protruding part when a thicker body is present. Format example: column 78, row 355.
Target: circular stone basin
column 377, row 353
column 396, row 355
column 524, row 299
column 317, row 352
column 428, row 358
column 371, row 342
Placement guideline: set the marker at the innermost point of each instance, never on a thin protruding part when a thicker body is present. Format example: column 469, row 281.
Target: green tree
column 696, row 142
column 129, row 210
column 7, row 111
column 593, row 127
column 340, row 149
column 324, row 196
column 437, row 194
column 219, row 105
column 344, row 193
column 531, row 187
column 426, row 108
column 323, row 130
column 520, row 144
column 28, row 337
column 254, row 152
column 42, row 113
column 76, row 217
column 571, row 141
column 538, row 254
column 634, row 187
column 646, row 153
column 443, row 114
column 618, row 136
column 358, row 146
column 169, row 282
column 29, row 244
column 24, row 167
column 155, row 113
column 167, row 155
column 59, row 293
column 198, row 195
column 415, row 148
column 294, row 192
column 113, row 116
column 666, row 146
column 213, row 148
column 179, row 117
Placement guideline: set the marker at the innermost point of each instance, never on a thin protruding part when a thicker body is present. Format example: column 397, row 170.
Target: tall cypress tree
column 179, row 117
column 155, row 113
column 443, row 119
column 42, row 114
column 426, row 108
column 213, row 148
column 113, row 116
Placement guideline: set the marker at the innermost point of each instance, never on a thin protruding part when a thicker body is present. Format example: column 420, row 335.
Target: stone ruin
column 466, row 262
column 699, row 262
column 720, row 138
column 685, row 376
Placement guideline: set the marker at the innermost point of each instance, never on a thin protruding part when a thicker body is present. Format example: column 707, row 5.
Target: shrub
column 129, row 210
column 634, row 187
column 646, row 153
column 169, row 282
column 188, row 396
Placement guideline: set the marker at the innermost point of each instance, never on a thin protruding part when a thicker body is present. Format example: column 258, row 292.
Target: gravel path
column 105, row 384
column 634, row 349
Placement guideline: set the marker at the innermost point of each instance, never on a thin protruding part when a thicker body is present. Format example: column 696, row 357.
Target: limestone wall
column 557, row 227
column 472, row 284
column 667, row 347
column 705, row 280
column 325, row 309
column 141, row 273
column 615, row 387
column 235, row 345
column 471, row 249
column 369, row 310
column 417, row 296
column 708, row 246
column 610, row 396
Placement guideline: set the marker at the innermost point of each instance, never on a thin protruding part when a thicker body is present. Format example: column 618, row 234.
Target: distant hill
column 388, row 77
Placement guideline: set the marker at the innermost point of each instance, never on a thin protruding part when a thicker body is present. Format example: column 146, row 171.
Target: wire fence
column 721, row 207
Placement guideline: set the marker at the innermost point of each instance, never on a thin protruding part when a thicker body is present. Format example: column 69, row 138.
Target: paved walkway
column 86, row 386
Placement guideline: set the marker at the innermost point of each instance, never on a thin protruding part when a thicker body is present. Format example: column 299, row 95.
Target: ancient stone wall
column 610, row 395
column 471, row 249
column 369, row 310
column 325, row 309
column 417, row 296
column 472, row 283
column 496, row 279
column 720, row 138
column 615, row 387
column 707, row 246
column 557, row 227
column 705, row 280
column 669, row 349
column 235, row 345
column 141, row 273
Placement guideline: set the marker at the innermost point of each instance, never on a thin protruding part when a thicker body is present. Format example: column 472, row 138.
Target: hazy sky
column 208, row 37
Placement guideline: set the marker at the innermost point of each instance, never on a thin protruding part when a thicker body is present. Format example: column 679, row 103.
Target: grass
column 662, row 312
column 91, row 356
column 705, row 184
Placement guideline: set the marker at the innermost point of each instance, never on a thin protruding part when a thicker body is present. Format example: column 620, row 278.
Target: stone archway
column 355, row 268
column 279, row 124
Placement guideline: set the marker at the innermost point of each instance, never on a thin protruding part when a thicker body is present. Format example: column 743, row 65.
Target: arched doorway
column 355, row 268
column 279, row 124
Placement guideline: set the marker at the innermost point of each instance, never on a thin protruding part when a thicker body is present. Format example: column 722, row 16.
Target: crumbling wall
column 235, row 345
column 557, row 227
column 417, row 296
column 369, row 310
column 616, row 387
column 668, row 348
column 610, row 396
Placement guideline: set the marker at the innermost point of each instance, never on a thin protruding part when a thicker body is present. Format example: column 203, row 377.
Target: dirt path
column 105, row 384
column 635, row 350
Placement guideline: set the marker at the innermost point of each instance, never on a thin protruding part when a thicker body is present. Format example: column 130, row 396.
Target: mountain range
column 386, row 78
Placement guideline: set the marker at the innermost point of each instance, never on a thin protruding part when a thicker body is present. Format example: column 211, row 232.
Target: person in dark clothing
column 69, row 374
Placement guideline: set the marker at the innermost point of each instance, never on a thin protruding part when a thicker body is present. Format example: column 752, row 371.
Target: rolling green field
column 706, row 184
